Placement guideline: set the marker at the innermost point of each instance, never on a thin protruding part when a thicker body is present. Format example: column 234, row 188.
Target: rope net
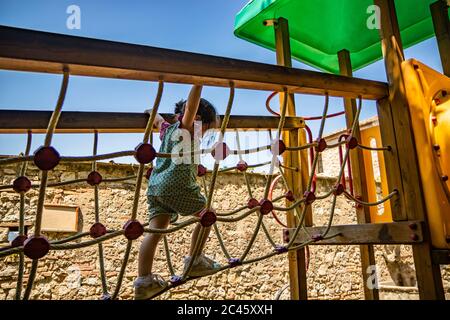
column 46, row 158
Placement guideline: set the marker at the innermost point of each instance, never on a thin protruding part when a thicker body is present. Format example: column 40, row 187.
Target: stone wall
column 334, row 271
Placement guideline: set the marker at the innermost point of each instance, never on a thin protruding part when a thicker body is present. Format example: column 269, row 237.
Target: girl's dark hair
column 206, row 110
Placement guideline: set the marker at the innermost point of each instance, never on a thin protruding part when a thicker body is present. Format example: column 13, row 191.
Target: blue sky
column 203, row 26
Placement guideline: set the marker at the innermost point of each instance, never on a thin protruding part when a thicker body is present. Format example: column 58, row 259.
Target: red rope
column 273, row 94
column 307, row 252
column 272, row 186
column 311, row 156
column 349, row 168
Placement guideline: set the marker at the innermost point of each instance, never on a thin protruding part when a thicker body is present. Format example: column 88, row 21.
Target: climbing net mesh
column 46, row 158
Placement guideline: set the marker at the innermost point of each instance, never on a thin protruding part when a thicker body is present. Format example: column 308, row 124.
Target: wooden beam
column 18, row 121
column 439, row 13
column 391, row 159
column 359, row 177
column 364, row 234
column 428, row 275
column 297, row 261
column 441, row 257
column 36, row 51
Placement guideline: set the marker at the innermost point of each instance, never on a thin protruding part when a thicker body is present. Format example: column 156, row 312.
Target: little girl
column 173, row 190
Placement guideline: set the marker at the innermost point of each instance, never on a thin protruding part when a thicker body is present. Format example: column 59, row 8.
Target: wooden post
column 439, row 13
column 428, row 275
column 295, row 180
column 359, row 178
column 394, row 178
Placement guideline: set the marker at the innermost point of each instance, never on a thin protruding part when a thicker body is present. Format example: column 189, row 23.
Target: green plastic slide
column 320, row 28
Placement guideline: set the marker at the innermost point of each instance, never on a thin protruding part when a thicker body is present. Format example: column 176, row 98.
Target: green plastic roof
column 320, row 28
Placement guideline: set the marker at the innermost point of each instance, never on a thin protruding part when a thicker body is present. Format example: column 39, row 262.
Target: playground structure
column 415, row 147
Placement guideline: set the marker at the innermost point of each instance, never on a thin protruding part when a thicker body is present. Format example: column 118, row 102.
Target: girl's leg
column 195, row 236
column 149, row 244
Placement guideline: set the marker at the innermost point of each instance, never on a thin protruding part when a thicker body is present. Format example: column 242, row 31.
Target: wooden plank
column 367, row 233
column 414, row 205
column 394, row 179
column 14, row 224
column 60, row 218
column 428, row 275
column 358, row 176
column 37, row 51
column 297, row 261
column 441, row 257
column 439, row 13
column 18, row 121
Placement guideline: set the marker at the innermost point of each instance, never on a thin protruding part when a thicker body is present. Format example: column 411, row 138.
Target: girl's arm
column 158, row 119
column 190, row 111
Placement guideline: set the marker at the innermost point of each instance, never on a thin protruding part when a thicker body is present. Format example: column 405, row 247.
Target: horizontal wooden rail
column 441, row 257
column 37, row 51
column 369, row 233
column 18, row 121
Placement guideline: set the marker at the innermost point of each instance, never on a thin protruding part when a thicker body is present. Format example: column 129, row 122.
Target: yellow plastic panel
column 428, row 96
column 380, row 214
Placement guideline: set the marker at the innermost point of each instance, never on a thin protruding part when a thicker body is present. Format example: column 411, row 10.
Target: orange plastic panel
column 382, row 213
column 428, row 97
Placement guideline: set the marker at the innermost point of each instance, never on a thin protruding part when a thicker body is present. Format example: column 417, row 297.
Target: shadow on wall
column 401, row 272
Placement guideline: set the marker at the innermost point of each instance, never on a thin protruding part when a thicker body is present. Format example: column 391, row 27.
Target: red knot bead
column 144, row 153
column 242, row 166
column 234, row 262
column 148, row 173
column 176, row 280
column 133, row 229
column 36, row 247
column 201, row 170
column 286, row 236
column 22, row 184
column 252, row 203
column 281, row 249
column 266, row 206
column 97, row 230
column 94, row 178
column 220, row 151
column 18, row 241
column 46, row 158
column 310, row 197
column 207, row 218
column 358, row 205
column 414, row 237
column 321, row 145
column 106, row 297
column 289, row 196
column 339, row 189
column 352, row 143
column 278, row 147
column 413, row 226
column 316, row 237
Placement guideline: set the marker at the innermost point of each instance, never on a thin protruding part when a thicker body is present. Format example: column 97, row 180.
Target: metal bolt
column 414, row 237
column 413, row 226
column 445, row 178
column 434, row 120
column 436, row 147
